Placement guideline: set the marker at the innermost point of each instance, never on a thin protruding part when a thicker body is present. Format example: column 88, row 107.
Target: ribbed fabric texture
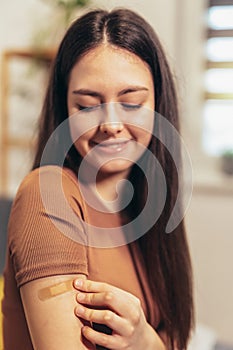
column 39, row 227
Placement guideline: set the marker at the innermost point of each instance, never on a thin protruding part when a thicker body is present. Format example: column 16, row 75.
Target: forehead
column 105, row 50
column 111, row 63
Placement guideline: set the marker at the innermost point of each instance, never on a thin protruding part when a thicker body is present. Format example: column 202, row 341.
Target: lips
column 112, row 146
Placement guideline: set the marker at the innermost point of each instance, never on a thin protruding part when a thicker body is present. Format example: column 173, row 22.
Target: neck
column 110, row 186
column 107, row 188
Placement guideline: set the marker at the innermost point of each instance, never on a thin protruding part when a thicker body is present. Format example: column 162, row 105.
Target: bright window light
column 219, row 80
column 219, row 49
column 218, row 127
column 218, row 113
column 220, row 17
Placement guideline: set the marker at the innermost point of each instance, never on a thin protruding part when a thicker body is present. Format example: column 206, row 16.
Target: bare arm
column 49, row 307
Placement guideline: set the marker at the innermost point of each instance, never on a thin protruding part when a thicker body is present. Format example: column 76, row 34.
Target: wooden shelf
column 8, row 141
column 17, row 142
column 40, row 54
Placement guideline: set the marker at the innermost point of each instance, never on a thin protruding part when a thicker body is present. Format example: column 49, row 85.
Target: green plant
column 227, row 161
column 68, row 6
column 228, row 153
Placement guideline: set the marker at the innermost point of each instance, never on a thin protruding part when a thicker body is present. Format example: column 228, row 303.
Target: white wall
column 19, row 20
column 209, row 219
column 210, row 227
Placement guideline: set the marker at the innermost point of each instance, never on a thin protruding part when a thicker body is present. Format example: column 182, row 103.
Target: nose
column 111, row 124
column 111, row 128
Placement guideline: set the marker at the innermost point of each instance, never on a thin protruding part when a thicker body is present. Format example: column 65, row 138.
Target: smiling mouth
column 112, row 146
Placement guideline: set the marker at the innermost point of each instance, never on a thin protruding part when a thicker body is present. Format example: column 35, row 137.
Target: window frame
column 211, row 64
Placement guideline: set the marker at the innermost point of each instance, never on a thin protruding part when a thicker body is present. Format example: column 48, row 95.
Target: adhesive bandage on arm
column 55, row 290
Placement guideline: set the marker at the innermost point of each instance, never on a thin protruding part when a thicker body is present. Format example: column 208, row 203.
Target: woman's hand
column 119, row 310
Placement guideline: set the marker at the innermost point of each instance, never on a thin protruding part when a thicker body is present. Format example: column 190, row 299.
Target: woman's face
column 118, row 89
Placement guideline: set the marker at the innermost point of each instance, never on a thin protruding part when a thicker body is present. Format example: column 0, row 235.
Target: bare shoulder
column 49, row 304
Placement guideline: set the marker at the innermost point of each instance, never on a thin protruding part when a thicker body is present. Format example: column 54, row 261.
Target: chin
column 116, row 167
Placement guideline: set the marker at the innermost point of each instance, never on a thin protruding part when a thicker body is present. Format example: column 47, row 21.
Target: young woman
column 135, row 291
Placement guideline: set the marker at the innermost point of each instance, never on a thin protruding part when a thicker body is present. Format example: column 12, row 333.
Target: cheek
column 142, row 123
column 81, row 125
column 145, row 139
column 81, row 131
column 143, row 133
column 82, row 143
column 80, row 147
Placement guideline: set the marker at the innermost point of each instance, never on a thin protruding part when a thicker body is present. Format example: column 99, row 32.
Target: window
column 218, row 79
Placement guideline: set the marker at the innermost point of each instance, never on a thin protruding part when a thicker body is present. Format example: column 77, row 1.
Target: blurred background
column 198, row 39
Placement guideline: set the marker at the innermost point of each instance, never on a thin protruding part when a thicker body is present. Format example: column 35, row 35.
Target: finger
column 92, row 286
column 118, row 324
column 125, row 304
column 95, row 299
column 110, row 300
column 112, row 342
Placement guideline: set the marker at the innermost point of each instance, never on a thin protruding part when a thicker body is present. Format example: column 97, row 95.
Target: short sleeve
column 46, row 235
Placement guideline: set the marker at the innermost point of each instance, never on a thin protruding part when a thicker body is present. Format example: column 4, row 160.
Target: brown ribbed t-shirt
column 47, row 236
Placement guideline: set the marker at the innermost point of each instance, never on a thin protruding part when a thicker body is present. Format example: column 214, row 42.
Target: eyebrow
column 92, row 93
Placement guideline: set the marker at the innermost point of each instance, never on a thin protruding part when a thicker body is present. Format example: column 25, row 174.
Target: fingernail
column 79, row 310
column 78, row 283
column 84, row 329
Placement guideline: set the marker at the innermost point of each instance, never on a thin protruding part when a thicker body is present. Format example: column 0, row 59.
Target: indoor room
column 197, row 37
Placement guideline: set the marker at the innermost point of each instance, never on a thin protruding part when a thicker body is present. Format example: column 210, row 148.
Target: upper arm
column 44, row 254
column 42, row 238
column 51, row 320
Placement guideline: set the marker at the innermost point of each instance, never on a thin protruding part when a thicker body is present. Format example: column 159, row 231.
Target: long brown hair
column 166, row 256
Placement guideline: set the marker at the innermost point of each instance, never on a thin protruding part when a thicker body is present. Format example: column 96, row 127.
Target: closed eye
column 88, row 108
column 126, row 106
column 131, row 106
